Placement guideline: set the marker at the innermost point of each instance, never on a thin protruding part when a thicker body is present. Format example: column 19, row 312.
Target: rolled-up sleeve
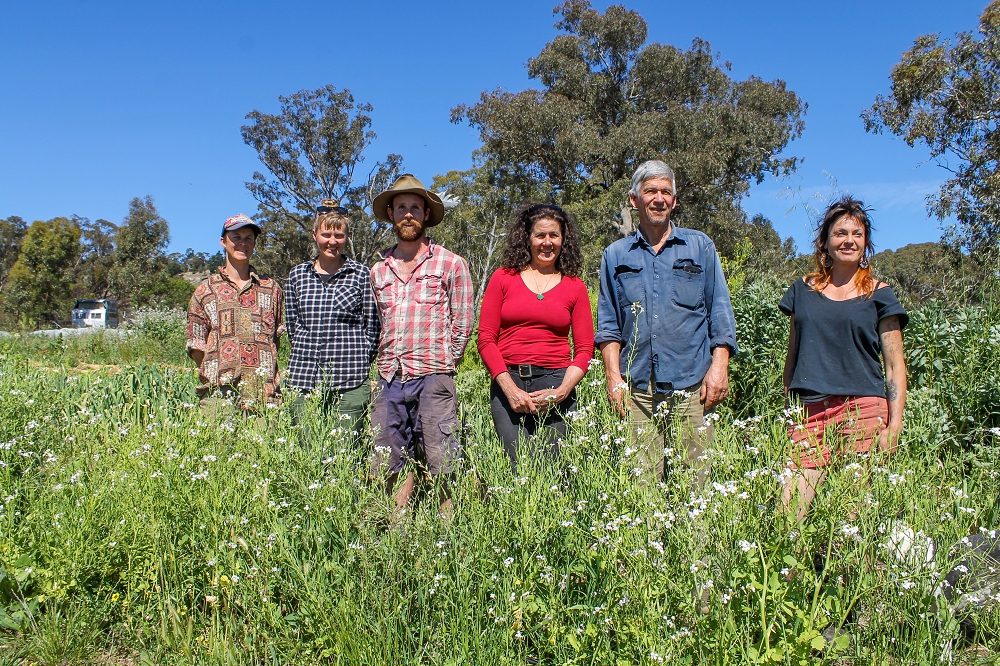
column 721, row 321
column 609, row 313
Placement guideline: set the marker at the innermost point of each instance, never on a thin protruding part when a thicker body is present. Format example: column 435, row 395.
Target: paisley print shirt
column 238, row 330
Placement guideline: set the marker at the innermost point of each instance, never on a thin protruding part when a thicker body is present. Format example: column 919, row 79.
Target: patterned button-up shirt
column 333, row 326
column 238, row 330
column 426, row 318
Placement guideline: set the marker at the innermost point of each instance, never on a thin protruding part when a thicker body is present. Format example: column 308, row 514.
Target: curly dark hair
column 517, row 254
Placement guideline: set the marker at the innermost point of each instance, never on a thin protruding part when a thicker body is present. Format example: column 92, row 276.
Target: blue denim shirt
column 667, row 309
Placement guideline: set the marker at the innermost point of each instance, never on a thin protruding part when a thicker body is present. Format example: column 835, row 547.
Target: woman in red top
column 531, row 304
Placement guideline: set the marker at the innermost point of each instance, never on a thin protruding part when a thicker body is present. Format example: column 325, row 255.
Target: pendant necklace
column 540, row 293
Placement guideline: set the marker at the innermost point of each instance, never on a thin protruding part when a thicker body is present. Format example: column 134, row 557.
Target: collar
column 349, row 265
column 677, row 235
column 387, row 253
column 254, row 276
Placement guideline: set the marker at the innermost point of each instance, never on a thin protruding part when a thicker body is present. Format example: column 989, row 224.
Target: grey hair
column 649, row 170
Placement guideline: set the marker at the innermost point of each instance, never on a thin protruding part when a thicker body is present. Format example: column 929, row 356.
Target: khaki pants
column 343, row 410
column 664, row 422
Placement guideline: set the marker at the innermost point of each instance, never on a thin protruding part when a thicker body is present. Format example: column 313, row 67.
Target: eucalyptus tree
column 139, row 260
column 12, row 231
column 945, row 95
column 312, row 149
column 97, row 257
column 38, row 286
column 608, row 101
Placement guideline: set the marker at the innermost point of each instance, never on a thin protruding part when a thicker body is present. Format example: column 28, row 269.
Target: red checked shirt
column 427, row 318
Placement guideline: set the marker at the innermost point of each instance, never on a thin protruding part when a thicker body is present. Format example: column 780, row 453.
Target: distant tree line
column 607, row 101
column 47, row 265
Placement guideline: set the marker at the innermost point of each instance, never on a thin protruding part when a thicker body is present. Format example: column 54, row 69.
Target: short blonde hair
column 331, row 215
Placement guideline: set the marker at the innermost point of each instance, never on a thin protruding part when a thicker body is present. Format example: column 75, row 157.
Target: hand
column 715, row 386
column 616, row 394
column 546, row 399
column 519, row 400
column 888, row 439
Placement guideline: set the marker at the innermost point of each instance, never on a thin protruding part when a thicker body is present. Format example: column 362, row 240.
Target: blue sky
column 104, row 101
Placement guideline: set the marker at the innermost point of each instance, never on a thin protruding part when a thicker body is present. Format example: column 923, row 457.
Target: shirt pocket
column 385, row 294
column 631, row 285
column 346, row 298
column 689, row 283
column 429, row 289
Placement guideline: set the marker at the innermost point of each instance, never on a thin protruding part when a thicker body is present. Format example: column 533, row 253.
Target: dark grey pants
column 539, row 433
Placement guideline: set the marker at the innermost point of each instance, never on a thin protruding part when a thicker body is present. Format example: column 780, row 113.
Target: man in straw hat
column 234, row 323
column 424, row 294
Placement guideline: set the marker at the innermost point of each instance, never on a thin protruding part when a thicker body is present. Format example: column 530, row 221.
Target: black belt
column 529, row 371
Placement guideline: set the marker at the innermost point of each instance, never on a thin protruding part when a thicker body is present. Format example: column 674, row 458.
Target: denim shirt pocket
column 631, row 285
column 689, row 283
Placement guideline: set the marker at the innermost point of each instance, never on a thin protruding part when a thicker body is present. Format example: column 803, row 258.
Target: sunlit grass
column 133, row 526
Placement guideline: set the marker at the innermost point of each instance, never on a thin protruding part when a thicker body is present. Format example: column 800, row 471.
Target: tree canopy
column 139, row 261
column 946, row 95
column 609, row 101
column 312, row 149
column 12, row 231
column 38, row 287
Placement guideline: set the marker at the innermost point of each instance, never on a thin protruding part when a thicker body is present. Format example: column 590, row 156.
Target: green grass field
column 135, row 529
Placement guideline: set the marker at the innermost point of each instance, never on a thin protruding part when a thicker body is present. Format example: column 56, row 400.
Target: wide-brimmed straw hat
column 408, row 184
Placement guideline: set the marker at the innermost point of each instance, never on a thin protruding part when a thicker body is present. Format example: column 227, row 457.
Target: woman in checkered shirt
column 333, row 325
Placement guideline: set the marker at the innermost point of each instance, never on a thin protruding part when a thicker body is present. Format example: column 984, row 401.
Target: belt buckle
column 524, row 371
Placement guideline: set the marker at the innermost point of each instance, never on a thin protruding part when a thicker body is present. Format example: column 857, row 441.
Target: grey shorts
column 418, row 415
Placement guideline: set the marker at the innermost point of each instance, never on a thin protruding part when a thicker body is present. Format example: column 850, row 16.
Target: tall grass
column 133, row 526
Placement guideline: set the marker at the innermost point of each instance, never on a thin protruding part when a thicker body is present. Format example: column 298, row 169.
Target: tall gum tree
column 946, row 95
column 38, row 286
column 312, row 148
column 610, row 101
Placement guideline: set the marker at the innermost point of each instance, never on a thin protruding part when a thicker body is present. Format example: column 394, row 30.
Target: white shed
column 95, row 313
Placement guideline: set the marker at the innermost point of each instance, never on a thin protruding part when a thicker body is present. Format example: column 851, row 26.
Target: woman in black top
column 845, row 326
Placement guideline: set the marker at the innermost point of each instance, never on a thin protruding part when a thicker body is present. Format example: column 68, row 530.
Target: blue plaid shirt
column 668, row 309
column 333, row 326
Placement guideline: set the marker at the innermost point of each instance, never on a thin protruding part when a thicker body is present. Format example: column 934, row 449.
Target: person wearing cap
column 333, row 324
column 424, row 294
column 235, row 319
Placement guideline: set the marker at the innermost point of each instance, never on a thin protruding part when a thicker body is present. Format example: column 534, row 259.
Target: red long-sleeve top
column 515, row 328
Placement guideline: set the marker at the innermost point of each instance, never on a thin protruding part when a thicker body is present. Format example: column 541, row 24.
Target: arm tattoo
column 891, row 392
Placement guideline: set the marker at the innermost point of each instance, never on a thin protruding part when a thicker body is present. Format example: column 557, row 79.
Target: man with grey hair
column 666, row 329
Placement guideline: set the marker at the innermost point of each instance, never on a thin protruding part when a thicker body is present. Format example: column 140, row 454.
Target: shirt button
column 656, row 316
column 654, row 337
column 656, row 276
column 826, row 402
